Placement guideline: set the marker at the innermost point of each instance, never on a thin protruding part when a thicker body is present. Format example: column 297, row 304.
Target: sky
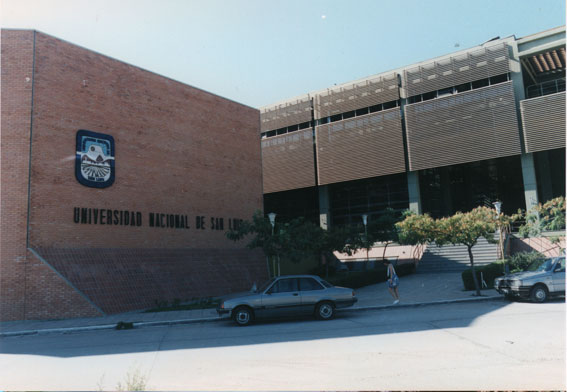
column 260, row 52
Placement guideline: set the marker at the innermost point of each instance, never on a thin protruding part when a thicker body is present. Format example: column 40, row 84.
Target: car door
column 311, row 292
column 558, row 276
column 282, row 299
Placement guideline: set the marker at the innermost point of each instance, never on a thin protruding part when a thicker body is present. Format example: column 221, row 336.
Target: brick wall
column 17, row 75
column 179, row 150
column 48, row 295
column 119, row 280
column 542, row 244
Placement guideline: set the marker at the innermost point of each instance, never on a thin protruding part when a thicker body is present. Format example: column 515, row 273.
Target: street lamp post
column 272, row 217
column 365, row 222
column 498, row 207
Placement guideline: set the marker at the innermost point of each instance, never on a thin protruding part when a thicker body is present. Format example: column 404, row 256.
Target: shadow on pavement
column 225, row 334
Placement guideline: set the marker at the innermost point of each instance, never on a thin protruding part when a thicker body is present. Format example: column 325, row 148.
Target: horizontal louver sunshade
column 288, row 161
column 472, row 126
column 471, row 66
column 347, row 98
column 544, row 122
column 284, row 115
column 361, row 147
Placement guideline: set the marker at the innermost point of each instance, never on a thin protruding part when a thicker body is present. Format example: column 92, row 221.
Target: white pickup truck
column 541, row 280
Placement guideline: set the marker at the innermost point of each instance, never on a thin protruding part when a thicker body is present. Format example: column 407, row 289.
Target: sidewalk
column 415, row 290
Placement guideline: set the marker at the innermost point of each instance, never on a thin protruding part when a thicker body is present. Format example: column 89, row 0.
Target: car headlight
column 515, row 284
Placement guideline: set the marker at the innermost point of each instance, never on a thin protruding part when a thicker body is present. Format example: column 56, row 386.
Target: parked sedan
column 285, row 296
column 541, row 280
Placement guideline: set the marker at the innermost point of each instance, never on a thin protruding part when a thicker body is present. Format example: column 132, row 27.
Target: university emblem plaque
column 94, row 162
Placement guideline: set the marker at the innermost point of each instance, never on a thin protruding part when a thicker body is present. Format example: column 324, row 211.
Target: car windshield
column 264, row 286
column 540, row 265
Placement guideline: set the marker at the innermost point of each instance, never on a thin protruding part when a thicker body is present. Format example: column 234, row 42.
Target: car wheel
column 242, row 316
column 325, row 311
column 539, row 293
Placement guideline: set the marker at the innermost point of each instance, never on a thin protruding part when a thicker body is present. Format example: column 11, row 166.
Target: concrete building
column 118, row 185
column 443, row 135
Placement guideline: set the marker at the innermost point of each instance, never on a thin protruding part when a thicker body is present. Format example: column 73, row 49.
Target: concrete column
column 530, row 181
column 324, row 207
column 516, row 72
column 519, row 89
column 543, row 171
column 446, row 191
column 413, row 190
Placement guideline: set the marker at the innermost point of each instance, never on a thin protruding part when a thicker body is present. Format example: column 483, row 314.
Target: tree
column 466, row 229
column 296, row 240
column 549, row 216
column 459, row 229
column 416, row 229
column 263, row 234
column 383, row 230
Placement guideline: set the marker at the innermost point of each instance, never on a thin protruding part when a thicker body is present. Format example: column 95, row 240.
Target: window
column 414, row 99
column 463, row 87
column 390, row 105
column 348, row 115
column 336, row 117
column 375, row 108
column 326, row 284
column 560, row 266
column 304, row 125
column 428, row 96
column 284, row 286
column 361, row 112
column 499, row 79
column 292, row 128
column 480, row 83
column 444, row 92
column 309, row 284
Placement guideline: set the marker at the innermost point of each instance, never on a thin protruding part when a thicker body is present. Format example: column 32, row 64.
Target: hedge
column 521, row 260
column 357, row 279
column 489, row 273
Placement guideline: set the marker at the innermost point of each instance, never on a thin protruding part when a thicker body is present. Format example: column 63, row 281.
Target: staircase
column 455, row 258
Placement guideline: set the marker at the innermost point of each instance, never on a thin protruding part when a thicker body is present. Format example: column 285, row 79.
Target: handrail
column 545, row 88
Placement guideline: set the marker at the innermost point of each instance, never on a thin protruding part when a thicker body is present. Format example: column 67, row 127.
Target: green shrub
column 176, row 304
column 357, row 279
column 489, row 273
column 521, row 260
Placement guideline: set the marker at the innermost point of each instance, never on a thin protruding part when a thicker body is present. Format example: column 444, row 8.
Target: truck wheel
column 539, row 293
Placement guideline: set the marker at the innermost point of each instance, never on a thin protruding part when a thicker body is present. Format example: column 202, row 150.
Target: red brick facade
column 179, row 151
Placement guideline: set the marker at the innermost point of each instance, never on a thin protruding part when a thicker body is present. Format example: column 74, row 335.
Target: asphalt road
column 479, row 345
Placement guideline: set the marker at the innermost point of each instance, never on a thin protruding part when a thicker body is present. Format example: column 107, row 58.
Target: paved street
column 474, row 345
column 415, row 289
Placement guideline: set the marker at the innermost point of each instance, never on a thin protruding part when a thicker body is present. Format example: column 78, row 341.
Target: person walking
column 393, row 281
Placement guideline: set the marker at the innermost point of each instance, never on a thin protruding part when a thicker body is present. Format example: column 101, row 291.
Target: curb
column 105, row 326
column 413, row 305
column 212, row 319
